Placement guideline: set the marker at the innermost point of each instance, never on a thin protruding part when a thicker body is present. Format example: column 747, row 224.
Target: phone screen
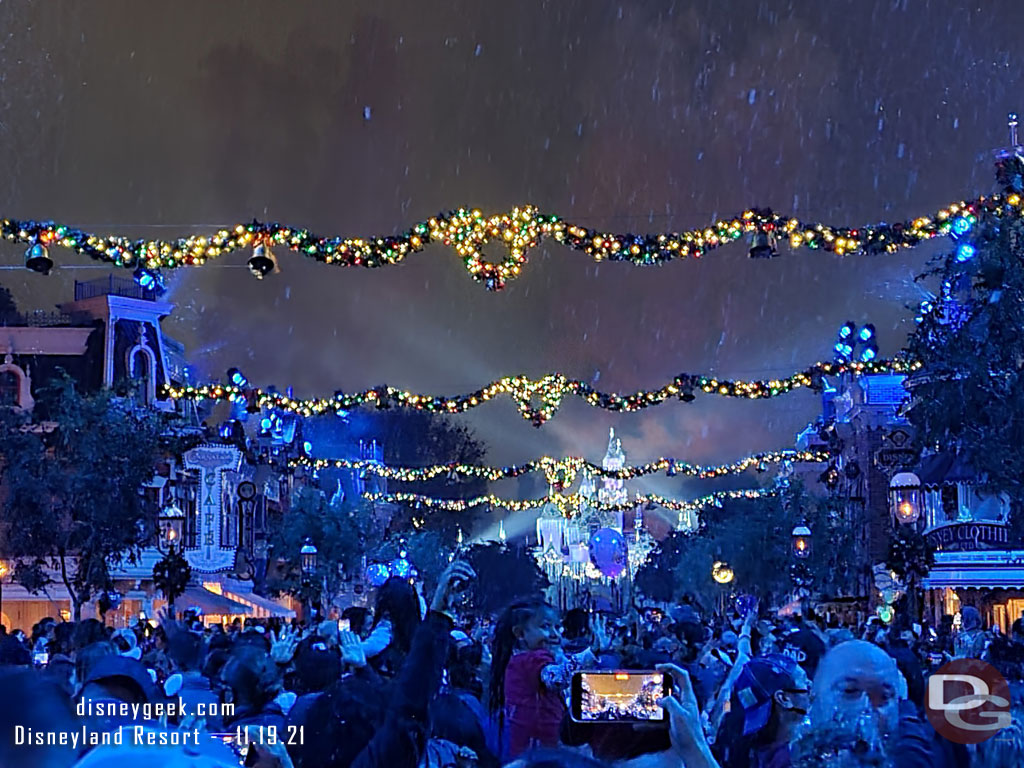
column 344, row 625
column 40, row 658
column 619, row 697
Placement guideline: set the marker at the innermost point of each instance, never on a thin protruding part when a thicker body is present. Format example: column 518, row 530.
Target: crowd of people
column 418, row 684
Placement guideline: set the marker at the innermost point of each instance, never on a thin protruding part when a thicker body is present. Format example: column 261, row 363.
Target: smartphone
column 344, row 625
column 619, row 697
column 40, row 658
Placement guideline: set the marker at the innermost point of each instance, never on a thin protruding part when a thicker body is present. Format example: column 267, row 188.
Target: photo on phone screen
column 40, row 658
column 619, row 697
column 344, row 625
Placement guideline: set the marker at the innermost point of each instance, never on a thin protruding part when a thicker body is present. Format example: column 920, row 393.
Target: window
column 140, row 373
column 189, row 502
column 950, row 503
column 10, row 389
column 229, row 521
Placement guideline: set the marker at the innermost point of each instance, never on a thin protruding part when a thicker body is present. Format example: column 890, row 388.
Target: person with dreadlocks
column 529, row 675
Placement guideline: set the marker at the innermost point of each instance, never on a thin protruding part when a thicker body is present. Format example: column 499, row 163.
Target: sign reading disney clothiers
column 969, row 536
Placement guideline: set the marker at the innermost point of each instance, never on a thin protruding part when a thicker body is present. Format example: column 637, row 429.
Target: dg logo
column 968, row 701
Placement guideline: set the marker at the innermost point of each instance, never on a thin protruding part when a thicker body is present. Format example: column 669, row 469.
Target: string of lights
column 568, row 504
column 562, row 472
column 537, row 399
column 468, row 232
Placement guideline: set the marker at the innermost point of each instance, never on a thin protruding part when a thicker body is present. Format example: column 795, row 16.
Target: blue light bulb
column 867, row 332
column 266, row 424
column 307, row 447
column 965, row 252
column 961, row 226
column 867, row 354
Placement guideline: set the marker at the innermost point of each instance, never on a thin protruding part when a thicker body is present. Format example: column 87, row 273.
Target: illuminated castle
column 563, row 543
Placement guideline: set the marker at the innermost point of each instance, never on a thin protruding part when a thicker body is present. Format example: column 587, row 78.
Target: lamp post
column 308, row 563
column 802, row 541
column 259, row 550
column 172, row 524
column 723, row 575
column 905, row 497
column 3, row 573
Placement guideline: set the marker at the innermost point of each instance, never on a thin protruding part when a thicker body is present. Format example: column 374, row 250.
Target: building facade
column 214, row 504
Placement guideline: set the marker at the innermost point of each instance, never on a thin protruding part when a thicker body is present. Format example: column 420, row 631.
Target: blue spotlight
column 867, row 333
column 961, row 226
column 847, row 330
column 869, row 353
column 237, row 378
column 149, row 280
column 965, row 252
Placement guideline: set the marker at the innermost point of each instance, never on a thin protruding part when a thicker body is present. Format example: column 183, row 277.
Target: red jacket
column 533, row 712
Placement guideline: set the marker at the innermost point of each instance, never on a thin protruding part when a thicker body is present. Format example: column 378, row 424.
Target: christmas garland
column 539, row 399
column 467, row 232
column 568, row 504
column 563, row 472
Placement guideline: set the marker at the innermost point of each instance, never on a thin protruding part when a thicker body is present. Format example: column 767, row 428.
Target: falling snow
column 631, row 117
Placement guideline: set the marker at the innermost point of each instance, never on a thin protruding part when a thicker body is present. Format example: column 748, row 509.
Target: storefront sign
column 964, row 536
column 212, row 461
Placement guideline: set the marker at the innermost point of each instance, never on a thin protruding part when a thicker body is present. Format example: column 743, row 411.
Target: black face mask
column 798, row 710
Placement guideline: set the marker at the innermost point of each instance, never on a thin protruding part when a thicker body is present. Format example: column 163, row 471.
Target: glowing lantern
column 801, row 541
column 905, row 497
column 721, row 572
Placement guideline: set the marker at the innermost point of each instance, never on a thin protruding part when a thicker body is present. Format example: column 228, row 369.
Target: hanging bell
column 37, row 258
column 761, row 246
column 262, row 261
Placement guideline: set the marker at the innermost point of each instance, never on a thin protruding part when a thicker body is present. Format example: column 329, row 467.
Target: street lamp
column 723, row 575
column 905, row 497
column 721, row 572
column 3, row 572
column 307, row 562
column 172, row 526
column 308, row 558
column 802, row 541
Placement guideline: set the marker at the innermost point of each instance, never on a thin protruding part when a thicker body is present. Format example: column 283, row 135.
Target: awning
column 212, row 604
column 945, row 467
column 263, row 607
column 987, row 578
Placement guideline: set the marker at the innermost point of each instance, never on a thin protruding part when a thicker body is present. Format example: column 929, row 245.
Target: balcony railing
column 112, row 286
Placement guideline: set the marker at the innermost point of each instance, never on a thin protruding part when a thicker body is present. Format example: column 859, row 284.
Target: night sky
column 156, row 119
